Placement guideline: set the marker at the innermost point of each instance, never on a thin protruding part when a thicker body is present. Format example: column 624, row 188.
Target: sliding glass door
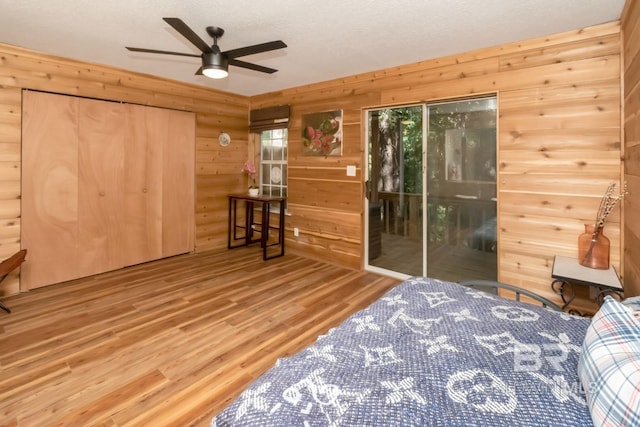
column 395, row 190
column 461, row 187
column 432, row 190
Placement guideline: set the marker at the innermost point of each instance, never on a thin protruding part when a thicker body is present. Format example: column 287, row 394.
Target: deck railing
column 457, row 220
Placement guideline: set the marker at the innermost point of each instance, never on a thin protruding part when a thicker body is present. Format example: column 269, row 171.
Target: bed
column 437, row 353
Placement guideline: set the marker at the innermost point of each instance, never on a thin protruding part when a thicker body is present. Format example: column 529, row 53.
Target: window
column 273, row 162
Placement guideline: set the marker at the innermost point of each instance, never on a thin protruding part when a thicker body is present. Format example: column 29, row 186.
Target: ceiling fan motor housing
column 215, row 59
column 215, row 32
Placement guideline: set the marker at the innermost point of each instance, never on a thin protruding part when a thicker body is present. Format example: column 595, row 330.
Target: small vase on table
column 593, row 248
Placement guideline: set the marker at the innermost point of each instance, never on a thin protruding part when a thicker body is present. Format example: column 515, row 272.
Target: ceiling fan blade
column 250, row 66
column 166, row 52
column 199, row 72
column 188, row 34
column 256, row 48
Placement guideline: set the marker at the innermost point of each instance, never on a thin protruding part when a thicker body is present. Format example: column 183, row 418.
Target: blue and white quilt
column 428, row 353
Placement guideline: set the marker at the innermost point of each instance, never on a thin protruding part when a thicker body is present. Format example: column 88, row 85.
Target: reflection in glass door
column 438, row 218
column 461, row 187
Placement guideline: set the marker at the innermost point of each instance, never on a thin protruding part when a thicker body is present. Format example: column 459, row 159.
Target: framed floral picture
column 322, row 134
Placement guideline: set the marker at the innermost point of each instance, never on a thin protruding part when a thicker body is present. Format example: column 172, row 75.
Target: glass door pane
column 461, row 190
column 395, row 190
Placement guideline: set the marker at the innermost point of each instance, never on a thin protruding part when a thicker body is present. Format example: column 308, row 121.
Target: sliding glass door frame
column 467, row 174
column 368, row 186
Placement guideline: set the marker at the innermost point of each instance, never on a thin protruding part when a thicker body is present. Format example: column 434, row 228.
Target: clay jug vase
column 593, row 248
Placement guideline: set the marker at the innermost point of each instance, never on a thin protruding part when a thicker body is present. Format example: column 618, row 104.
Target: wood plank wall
column 559, row 145
column 631, row 83
column 559, row 142
column 217, row 168
column 10, row 163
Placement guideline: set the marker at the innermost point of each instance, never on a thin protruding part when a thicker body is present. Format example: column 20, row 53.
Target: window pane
column 266, row 149
column 284, row 144
column 273, row 162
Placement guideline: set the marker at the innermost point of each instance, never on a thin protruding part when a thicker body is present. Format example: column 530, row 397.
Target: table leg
column 232, row 223
column 565, row 290
column 232, row 235
column 281, row 230
column 264, row 230
column 248, row 222
column 280, row 240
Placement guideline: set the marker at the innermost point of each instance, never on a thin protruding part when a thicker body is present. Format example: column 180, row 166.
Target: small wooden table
column 567, row 273
column 250, row 227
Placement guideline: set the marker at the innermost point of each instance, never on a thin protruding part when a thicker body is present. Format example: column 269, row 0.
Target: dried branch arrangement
column 608, row 202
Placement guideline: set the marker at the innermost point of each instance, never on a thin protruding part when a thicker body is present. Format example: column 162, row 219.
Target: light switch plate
column 351, row 170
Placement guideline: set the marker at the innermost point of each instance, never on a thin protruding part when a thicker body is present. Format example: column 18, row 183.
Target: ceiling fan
column 215, row 63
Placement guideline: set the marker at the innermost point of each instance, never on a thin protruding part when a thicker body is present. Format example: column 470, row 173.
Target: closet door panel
column 178, row 185
column 105, row 185
column 49, row 189
column 102, row 134
column 143, row 185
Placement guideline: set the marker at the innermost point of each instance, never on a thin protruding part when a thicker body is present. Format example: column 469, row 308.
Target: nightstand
column 567, row 273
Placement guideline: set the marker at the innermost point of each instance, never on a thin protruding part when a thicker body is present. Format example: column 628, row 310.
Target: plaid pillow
column 634, row 304
column 609, row 366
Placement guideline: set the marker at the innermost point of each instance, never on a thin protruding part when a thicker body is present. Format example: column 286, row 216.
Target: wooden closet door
column 105, row 185
column 178, row 184
column 143, row 185
column 49, row 223
column 101, row 136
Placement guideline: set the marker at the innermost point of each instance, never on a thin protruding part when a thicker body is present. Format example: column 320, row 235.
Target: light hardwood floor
column 166, row 343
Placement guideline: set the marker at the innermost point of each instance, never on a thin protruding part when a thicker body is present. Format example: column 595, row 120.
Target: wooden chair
column 7, row 266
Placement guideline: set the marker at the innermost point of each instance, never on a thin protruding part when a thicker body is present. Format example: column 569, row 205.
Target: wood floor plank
column 16, row 383
column 98, row 407
column 170, row 342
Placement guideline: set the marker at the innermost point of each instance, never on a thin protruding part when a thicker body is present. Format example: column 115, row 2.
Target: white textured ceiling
column 326, row 38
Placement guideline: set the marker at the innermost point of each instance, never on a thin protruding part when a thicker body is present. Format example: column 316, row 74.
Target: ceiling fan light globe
column 215, row 73
column 215, row 65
